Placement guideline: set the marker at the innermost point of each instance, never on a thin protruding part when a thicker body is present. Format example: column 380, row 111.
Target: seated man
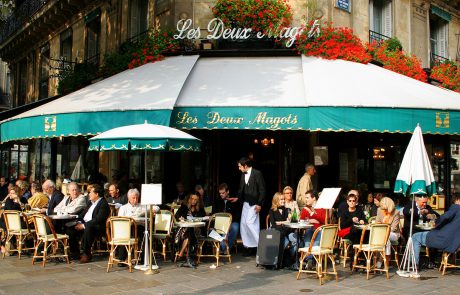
column 232, row 206
column 39, row 199
column 74, row 203
column 91, row 224
column 132, row 208
column 114, row 195
column 445, row 236
column 422, row 213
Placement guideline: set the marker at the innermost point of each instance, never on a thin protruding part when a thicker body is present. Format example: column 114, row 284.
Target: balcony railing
column 377, row 37
column 20, row 15
column 437, row 59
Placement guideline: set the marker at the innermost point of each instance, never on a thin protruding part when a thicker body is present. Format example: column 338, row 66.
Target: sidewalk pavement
column 239, row 277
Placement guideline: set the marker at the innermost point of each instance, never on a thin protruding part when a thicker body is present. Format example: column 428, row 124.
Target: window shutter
column 371, row 15
column 442, row 39
column 387, row 19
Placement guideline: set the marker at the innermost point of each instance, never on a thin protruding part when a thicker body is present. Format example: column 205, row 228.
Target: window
column 93, row 31
column 438, row 38
column 138, row 15
column 380, row 22
column 19, row 161
column 44, row 71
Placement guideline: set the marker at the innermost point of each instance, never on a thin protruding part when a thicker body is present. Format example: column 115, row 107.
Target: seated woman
column 348, row 218
column 278, row 214
column 289, row 202
column 388, row 214
column 12, row 202
column 186, row 237
column 370, row 208
column 39, row 199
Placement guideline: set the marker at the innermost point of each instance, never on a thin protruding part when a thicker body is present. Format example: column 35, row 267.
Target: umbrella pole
column 409, row 255
column 145, row 166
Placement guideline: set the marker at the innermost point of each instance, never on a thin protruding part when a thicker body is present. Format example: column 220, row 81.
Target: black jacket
column 100, row 214
column 254, row 191
column 228, row 207
column 56, row 198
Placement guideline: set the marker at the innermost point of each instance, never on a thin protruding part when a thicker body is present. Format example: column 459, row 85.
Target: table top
column 297, row 225
column 425, row 226
column 65, row 216
column 191, row 224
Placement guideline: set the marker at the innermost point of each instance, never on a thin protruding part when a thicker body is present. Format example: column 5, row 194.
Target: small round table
column 297, row 226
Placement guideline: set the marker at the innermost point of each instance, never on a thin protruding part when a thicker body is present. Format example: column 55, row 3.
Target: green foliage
column 116, row 62
column 393, row 44
column 81, row 76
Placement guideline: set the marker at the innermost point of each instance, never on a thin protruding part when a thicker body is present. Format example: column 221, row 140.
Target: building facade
column 44, row 40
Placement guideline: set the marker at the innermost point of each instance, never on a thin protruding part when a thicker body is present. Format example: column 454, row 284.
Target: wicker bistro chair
column 49, row 240
column 321, row 253
column 344, row 246
column 162, row 229
column 378, row 238
column 219, row 222
column 14, row 221
column 119, row 233
column 445, row 261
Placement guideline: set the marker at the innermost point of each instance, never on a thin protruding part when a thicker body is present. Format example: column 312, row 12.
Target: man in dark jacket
column 422, row 213
column 91, row 224
column 444, row 236
column 55, row 196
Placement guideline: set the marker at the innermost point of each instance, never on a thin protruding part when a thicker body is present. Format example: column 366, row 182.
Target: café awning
column 304, row 93
column 145, row 93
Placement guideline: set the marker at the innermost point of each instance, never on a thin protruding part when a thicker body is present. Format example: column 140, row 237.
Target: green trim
column 125, row 144
column 419, row 187
column 397, row 120
column 76, row 124
column 441, row 13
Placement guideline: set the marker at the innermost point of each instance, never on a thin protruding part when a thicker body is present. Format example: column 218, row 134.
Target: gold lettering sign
column 50, row 124
column 442, row 119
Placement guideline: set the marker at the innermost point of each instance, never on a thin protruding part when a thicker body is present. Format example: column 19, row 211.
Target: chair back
column 372, row 219
column 208, row 210
column 163, row 222
column 12, row 220
column 40, row 222
column 222, row 222
column 120, row 228
column 379, row 234
column 328, row 236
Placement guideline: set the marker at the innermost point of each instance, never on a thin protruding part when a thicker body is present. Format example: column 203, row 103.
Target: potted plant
column 448, row 74
column 332, row 43
column 267, row 17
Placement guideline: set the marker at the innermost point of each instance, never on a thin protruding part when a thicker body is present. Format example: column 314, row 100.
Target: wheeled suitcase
column 270, row 249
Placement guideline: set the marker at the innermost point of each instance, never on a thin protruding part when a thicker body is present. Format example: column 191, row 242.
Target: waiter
column 251, row 193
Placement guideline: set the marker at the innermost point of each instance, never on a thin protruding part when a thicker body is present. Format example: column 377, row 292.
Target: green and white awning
column 256, row 93
column 144, row 137
column 147, row 93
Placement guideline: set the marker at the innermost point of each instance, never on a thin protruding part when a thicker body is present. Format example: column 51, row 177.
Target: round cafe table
column 190, row 225
column 297, row 226
column 424, row 226
column 63, row 217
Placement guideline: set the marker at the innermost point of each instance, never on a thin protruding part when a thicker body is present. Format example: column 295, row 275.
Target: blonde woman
column 388, row 214
column 289, row 202
column 278, row 213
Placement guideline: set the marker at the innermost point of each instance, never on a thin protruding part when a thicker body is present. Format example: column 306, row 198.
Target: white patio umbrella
column 145, row 137
column 415, row 177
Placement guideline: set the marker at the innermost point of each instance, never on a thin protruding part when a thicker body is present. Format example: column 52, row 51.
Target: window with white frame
column 380, row 18
column 439, row 36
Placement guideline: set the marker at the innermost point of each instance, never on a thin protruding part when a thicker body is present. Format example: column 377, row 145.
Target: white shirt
column 89, row 213
column 129, row 210
column 247, row 175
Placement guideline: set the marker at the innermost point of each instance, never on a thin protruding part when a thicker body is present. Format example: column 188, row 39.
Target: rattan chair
column 162, row 229
column 344, row 247
column 321, row 253
column 445, row 261
column 48, row 239
column 378, row 237
column 17, row 226
column 219, row 222
column 121, row 232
